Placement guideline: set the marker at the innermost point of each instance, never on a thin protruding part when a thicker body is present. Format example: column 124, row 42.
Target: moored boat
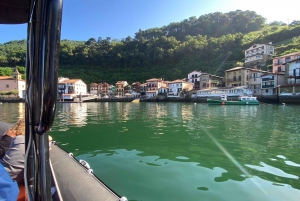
column 243, row 100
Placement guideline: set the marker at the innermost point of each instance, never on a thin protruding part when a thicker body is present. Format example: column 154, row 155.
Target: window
column 279, row 69
column 7, row 86
column 296, row 72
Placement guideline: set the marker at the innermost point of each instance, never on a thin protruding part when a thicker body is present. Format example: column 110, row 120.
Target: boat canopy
column 14, row 11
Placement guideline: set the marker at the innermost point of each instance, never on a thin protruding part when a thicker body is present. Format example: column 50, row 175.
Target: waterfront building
column 68, row 89
column 111, row 89
column 14, row 82
column 163, row 91
column 269, row 85
column 293, row 71
column 291, row 86
column 258, row 54
column 228, row 91
column 127, row 90
column 194, row 78
column 99, row 88
column 210, row 81
column 94, row 89
column 177, row 86
column 120, row 88
column 238, row 76
column 136, row 87
column 143, row 89
column 255, row 80
column 153, row 85
column 279, row 62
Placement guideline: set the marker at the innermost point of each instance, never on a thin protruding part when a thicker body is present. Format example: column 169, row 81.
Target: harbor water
column 183, row 151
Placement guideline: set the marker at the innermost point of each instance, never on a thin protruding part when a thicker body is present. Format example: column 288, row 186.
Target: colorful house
column 152, row 87
column 279, row 62
column 120, row 85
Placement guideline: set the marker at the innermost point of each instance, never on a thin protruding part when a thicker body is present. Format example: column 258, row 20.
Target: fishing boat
column 243, row 100
column 56, row 174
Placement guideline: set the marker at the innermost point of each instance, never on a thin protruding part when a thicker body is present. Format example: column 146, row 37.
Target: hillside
column 170, row 52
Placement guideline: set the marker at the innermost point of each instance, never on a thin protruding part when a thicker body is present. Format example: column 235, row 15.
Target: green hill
column 170, row 52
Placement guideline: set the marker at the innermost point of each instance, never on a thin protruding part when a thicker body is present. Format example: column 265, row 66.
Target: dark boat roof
column 14, row 11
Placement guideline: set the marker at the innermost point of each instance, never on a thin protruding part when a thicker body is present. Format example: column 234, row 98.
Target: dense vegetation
column 170, row 52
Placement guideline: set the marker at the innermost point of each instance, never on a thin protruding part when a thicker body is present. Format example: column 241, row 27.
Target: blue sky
column 84, row 19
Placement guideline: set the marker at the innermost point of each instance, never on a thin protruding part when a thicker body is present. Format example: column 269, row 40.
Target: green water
column 183, row 151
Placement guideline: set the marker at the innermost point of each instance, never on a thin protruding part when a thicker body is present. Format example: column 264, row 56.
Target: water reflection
column 71, row 114
column 11, row 112
column 193, row 150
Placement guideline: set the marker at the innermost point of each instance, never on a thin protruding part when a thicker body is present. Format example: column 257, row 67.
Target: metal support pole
column 41, row 94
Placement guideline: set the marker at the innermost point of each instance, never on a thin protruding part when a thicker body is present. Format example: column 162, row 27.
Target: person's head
column 17, row 129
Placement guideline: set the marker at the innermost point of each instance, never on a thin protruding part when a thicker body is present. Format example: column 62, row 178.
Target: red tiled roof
column 5, row 78
column 9, row 78
column 154, row 79
column 71, row 81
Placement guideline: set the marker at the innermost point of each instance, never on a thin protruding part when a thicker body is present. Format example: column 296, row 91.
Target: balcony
column 268, row 86
column 267, row 79
column 215, row 81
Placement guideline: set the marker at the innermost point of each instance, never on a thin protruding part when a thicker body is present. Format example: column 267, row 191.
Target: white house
column 194, row 77
column 269, row 83
column 258, row 54
column 71, row 88
column 163, row 90
column 177, row 86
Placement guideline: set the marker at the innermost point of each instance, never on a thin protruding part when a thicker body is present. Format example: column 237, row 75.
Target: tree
column 6, row 71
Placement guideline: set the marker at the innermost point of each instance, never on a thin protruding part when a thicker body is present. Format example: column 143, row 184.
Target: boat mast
column 43, row 42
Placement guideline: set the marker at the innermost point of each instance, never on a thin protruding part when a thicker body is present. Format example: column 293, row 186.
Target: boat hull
column 73, row 181
column 220, row 102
